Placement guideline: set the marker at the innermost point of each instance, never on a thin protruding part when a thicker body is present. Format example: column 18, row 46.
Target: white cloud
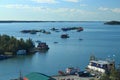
column 45, row 1
column 46, row 9
column 103, row 8
column 38, row 8
column 46, row 13
column 115, row 10
column 21, row 6
column 72, row 1
column 18, row 6
column 83, row 5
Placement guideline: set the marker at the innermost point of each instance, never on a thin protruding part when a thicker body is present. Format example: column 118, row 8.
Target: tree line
column 11, row 44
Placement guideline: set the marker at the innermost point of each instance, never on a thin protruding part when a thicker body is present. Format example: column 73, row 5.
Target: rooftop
column 38, row 76
column 100, row 61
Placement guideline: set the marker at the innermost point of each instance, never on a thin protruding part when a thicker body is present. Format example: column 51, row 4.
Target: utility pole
column 21, row 77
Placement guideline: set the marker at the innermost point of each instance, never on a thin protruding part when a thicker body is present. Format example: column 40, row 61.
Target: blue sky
column 60, row 10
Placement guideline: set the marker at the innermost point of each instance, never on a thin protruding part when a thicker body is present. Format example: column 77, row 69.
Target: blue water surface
column 97, row 39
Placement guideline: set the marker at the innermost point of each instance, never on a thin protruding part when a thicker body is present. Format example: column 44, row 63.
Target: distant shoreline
column 15, row 21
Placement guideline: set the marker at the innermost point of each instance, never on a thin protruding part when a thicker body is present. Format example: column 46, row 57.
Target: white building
column 21, row 52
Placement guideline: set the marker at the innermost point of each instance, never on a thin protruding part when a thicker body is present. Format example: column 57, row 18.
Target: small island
column 112, row 23
column 10, row 46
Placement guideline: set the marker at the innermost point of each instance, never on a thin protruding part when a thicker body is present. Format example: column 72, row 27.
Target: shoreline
column 4, row 57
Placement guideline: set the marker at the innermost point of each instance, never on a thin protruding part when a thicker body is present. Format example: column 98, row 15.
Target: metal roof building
column 37, row 76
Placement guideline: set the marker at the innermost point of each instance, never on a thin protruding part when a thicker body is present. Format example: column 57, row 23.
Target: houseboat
column 101, row 66
column 42, row 46
column 72, row 28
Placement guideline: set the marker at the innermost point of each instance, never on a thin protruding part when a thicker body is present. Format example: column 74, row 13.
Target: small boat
column 64, row 36
column 80, row 39
column 54, row 29
column 69, row 71
column 55, row 42
column 61, row 73
column 79, row 29
column 72, row 70
column 38, row 41
column 47, row 32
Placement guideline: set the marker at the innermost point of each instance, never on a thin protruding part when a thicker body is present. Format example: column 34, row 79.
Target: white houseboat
column 101, row 65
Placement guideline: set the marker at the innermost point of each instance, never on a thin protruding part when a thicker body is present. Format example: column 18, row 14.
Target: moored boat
column 101, row 66
column 79, row 29
column 64, row 36
column 42, row 46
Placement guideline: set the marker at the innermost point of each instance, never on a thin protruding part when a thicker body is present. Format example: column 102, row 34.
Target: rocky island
column 112, row 23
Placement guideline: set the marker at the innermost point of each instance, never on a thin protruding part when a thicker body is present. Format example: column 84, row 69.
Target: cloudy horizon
column 60, row 10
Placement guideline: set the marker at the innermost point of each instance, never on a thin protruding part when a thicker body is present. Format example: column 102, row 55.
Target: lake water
column 98, row 39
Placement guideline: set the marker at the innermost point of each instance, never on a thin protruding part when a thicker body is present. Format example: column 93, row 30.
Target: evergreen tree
column 11, row 44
